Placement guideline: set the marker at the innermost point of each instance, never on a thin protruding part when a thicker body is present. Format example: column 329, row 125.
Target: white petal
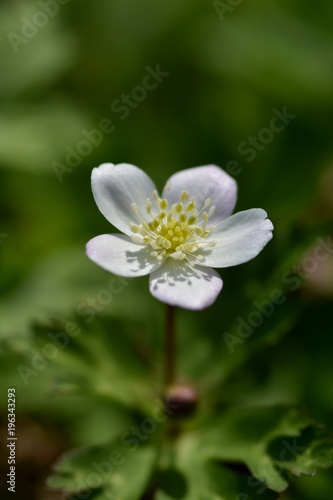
column 119, row 255
column 204, row 182
column 116, row 188
column 177, row 284
column 239, row 239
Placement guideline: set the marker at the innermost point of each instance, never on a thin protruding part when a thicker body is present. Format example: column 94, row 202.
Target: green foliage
column 261, row 439
column 209, row 480
column 243, row 454
column 116, row 369
column 240, row 451
column 113, row 471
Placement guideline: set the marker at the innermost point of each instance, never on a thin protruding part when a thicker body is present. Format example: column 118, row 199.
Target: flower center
column 178, row 232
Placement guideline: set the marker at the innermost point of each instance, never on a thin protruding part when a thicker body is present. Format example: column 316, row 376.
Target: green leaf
column 117, row 369
column 172, row 484
column 110, row 471
column 268, row 441
column 243, row 454
column 313, row 450
column 199, row 479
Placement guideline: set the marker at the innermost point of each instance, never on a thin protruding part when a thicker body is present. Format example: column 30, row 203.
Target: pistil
column 178, row 232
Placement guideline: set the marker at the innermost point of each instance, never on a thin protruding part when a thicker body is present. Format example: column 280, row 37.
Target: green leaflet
column 269, row 441
column 116, row 370
column 207, row 480
column 110, row 471
column 244, row 454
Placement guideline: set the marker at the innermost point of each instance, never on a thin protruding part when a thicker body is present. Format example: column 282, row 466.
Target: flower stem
column 170, row 347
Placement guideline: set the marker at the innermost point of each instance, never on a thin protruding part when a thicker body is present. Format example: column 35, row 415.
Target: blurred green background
column 225, row 73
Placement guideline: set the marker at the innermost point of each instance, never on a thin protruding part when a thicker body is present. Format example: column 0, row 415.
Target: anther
column 163, row 204
column 178, row 255
column 149, row 206
column 134, row 208
column 190, row 206
column 184, row 196
column 192, row 220
column 155, row 195
column 211, row 211
column 136, row 238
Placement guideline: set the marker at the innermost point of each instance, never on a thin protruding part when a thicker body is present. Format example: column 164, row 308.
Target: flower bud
column 180, row 401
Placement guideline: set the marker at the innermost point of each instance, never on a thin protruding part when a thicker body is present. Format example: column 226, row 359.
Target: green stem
column 170, row 347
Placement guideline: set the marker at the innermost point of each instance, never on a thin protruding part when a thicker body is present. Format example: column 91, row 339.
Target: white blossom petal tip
column 117, row 188
column 239, row 238
column 117, row 254
column 186, row 287
column 206, row 182
column 178, row 237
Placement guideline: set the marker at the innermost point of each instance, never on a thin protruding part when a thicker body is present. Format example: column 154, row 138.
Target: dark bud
column 180, row 401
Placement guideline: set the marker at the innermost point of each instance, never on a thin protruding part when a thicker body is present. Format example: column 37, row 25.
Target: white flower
column 176, row 238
